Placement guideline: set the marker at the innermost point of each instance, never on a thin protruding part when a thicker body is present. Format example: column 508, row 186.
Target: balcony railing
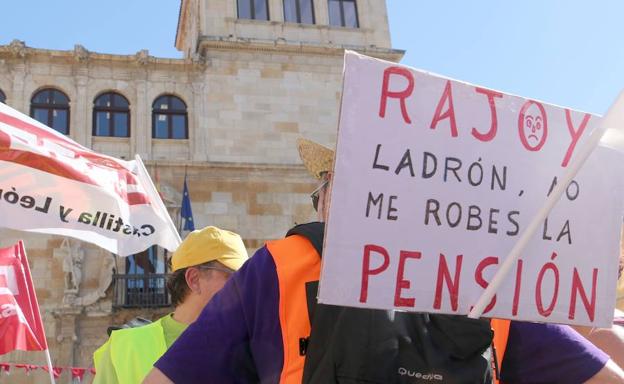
column 140, row 291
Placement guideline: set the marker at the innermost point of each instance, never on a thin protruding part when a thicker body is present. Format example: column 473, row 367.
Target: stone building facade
column 255, row 76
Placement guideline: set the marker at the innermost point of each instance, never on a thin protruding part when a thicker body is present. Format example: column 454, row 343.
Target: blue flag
column 186, row 212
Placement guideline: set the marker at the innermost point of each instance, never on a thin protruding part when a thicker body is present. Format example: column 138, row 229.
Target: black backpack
column 355, row 345
column 132, row 323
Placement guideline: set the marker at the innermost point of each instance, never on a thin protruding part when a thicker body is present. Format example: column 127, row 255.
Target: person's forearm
column 156, row 377
column 611, row 373
column 610, row 340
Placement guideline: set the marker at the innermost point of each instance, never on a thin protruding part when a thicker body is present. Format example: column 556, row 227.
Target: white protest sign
column 434, row 181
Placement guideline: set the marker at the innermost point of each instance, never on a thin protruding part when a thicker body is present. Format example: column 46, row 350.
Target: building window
column 2, row 96
column 253, row 9
column 111, row 115
column 343, row 13
column 299, row 11
column 51, row 107
column 169, row 118
column 144, row 283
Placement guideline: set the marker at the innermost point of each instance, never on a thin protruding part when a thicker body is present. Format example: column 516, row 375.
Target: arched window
column 51, row 107
column 169, row 118
column 2, row 96
column 111, row 115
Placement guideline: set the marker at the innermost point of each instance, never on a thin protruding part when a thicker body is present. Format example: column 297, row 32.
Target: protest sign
column 51, row 184
column 434, row 181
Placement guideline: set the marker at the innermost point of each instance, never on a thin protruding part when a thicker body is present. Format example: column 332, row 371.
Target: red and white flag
column 20, row 322
column 51, row 184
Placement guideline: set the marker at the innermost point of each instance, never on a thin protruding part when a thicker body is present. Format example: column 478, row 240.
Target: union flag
column 20, row 321
column 52, row 184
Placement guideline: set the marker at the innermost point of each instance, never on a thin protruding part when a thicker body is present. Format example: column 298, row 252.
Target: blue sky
column 568, row 53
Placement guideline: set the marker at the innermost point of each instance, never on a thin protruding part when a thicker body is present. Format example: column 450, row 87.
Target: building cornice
column 18, row 50
column 284, row 46
column 226, row 165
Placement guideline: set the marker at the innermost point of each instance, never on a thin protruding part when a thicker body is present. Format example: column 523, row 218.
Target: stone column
column 198, row 124
column 141, row 130
column 80, row 124
column 321, row 12
column 276, row 10
column 18, row 100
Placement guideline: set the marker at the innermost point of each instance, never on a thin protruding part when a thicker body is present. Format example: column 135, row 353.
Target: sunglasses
column 315, row 195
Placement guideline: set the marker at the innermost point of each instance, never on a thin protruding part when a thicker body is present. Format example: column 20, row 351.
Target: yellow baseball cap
column 210, row 244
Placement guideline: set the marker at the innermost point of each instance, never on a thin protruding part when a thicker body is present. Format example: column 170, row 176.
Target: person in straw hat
column 200, row 267
column 319, row 161
column 257, row 328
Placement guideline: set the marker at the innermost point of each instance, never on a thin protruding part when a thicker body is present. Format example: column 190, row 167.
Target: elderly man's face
column 207, row 279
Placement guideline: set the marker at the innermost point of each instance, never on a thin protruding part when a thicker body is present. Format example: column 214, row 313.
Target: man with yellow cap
column 201, row 265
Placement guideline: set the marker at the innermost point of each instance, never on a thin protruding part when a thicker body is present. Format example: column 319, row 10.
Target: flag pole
column 36, row 310
column 151, row 191
column 180, row 224
column 49, row 361
column 614, row 116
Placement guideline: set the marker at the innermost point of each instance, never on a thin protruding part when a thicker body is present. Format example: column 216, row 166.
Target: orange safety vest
column 501, row 335
column 296, row 263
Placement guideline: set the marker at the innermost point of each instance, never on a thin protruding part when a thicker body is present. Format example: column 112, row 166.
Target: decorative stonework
column 72, row 255
column 142, row 57
column 198, row 59
column 18, row 48
column 81, row 54
column 105, row 278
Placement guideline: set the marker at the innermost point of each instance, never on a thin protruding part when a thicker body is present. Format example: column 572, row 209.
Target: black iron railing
column 140, row 291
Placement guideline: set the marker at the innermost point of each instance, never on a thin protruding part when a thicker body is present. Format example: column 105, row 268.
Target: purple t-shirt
column 549, row 353
column 237, row 339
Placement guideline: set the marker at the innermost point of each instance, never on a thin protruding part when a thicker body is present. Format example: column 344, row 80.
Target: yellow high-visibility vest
column 133, row 351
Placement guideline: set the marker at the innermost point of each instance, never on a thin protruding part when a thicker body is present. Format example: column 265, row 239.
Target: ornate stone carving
column 72, row 264
column 18, row 47
column 198, row 59
column 73, row 256
column 142, row 57
column 81, row 54
column 105, row 279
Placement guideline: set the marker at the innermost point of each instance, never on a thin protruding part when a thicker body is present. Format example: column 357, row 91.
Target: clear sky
column 569, row 53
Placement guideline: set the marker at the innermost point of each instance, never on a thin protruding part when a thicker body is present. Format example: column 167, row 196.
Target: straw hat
column 316, row 158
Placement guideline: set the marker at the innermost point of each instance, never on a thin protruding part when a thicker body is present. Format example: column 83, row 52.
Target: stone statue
column 72, row 264
column 142, row 57
column 80, row 53
column 18, row 48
